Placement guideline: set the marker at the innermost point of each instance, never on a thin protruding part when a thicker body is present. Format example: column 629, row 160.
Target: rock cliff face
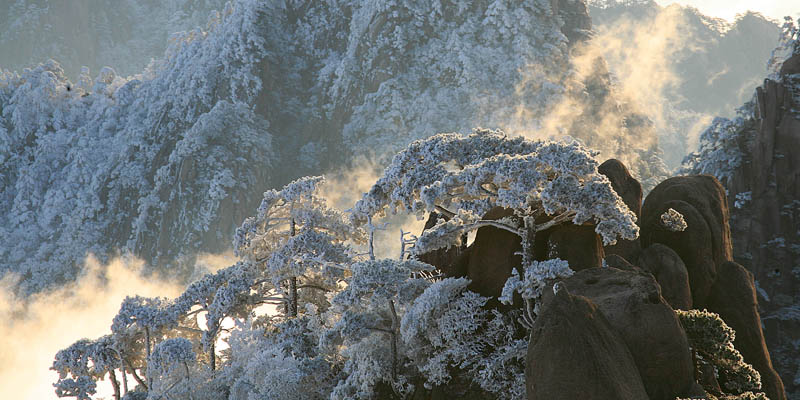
column 765, row 226
column 715, row 282
column 631, row 302
column 571, row 342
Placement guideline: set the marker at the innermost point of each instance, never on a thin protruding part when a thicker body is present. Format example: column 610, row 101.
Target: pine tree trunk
column 293, row 282
column 114, row 383
column 212, row 355
column 395, row 328
column 147, row 339
column 293, row 296
column 528, row 247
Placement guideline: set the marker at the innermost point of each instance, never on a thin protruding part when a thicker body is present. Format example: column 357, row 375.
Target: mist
column 345, row 187
column 36, row 327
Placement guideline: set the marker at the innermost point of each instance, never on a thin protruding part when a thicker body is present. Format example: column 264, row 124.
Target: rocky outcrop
column 693, row 245
column 493, row 256
column 765, row 189
column 632, row 303
column 580, row 246
column 630, row 190
column 450, row 261
column 574, row 353
column 670, row 272
column 790, row 66
column 706, row 242
column 577, row 23
column 733, row 297
column 705, row 248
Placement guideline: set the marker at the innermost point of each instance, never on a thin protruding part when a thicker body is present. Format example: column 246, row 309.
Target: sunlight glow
column 728, row 9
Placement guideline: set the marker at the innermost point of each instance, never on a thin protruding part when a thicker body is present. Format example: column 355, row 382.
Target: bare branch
column 310, row 286
column 555, row 221
column 187, row 329
column 447, row 213
column 395, row 327
column 135, row 375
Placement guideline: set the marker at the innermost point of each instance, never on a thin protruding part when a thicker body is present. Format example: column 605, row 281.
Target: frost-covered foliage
column 788, row 44
column 450, row 336
column 743, row 199
column 673, row 221
column 712, row 340
column 168, row 367
column 537, row 277
column 371, row 308
column 280, row 361
column 411, row 68
column 81, row 364
column 435, row 325
column 296, row 237
column 486, row 169
column 153, row 164
column 404, row 335
column 722, row 144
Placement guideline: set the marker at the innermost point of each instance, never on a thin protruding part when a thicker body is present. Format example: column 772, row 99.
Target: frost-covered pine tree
column 400, row 335
column 546, row 184
column 722, row 147
column 465, row 176
column 297, row 241
column 371, row 308
column 711, row 340
column 168, row 368
column 454, row 341
column 80, row 365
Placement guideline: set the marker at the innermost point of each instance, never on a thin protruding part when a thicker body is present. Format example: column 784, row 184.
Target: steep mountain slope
column 126, row 163
column 756, row 156
column 272, row 91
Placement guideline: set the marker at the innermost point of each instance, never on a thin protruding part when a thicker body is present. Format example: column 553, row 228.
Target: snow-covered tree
column 712, row 341
column 297, row 240
column 168, row 367
column 536, row 278
column 722, row 145
column 282, row 360
column 673, row 221
column 545, row 183
column 371, row 308
column 80, row 365
column 451, row 338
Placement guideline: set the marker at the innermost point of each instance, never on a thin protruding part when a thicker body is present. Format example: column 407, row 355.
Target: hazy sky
column 728, row 9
